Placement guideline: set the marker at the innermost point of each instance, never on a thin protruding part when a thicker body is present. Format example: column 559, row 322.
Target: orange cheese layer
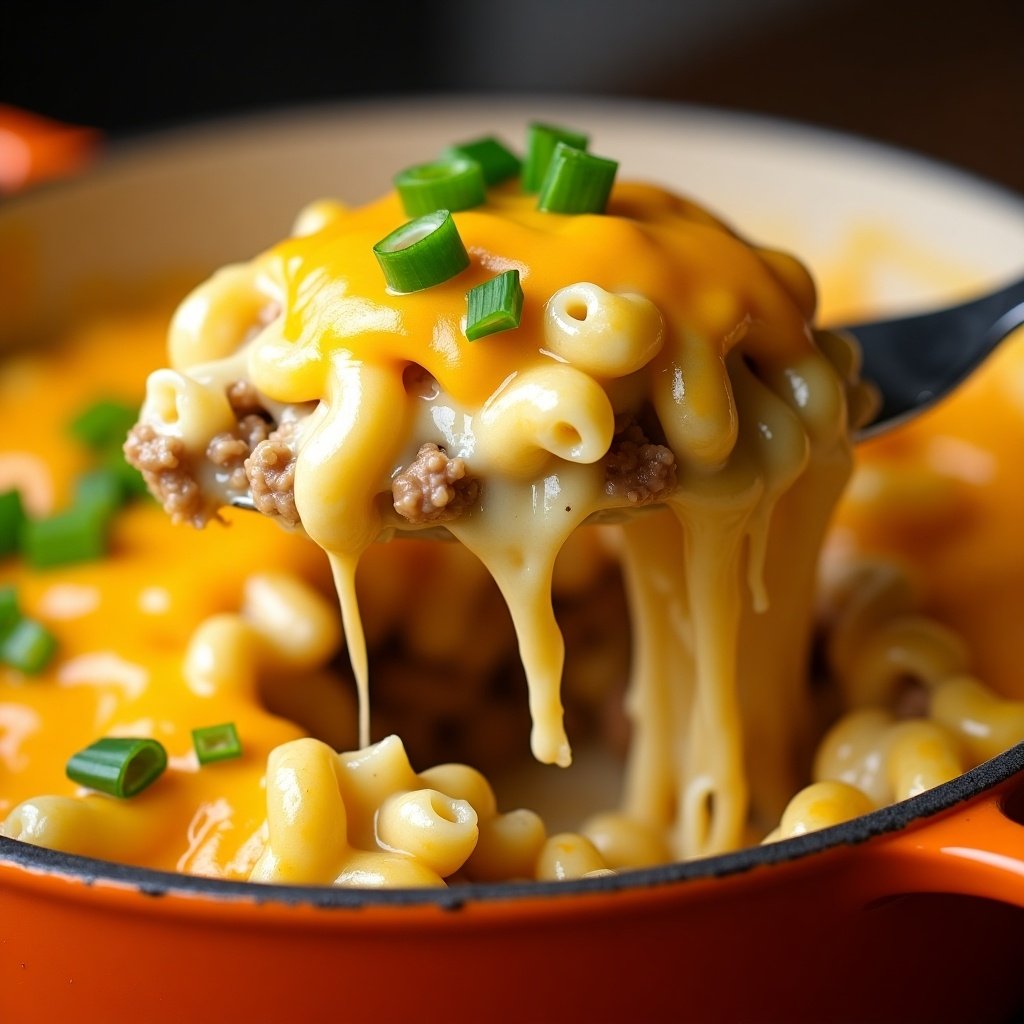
column 706, row 282
column 124, row 623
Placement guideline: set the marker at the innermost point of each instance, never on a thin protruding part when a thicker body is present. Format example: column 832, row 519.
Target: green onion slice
column 132, row 483
column 496, row 305
column 9, row 613
column 452, row 184
column 216, row 743
column 100, row 489
column 12, row 520
column 104, row 424
column 78, row 535
column 576, row 182
column 422, row 253
column 497, row 162
column 120, row 766
column 27, row 645
column 541, row 140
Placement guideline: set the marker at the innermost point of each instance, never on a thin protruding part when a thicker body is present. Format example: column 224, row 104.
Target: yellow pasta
column 298, row 626
column 818, row 806
column 624, row 842
column 984, row 723
column 93, row 826
column 554, row 410
column 602, row 333
column 430, row 827
column 920, row 756
column 316, row 216
column 210, row 322
column 853, row 752
column 568, row 855
column 348, row 819
column 508, row 847
column 306, row 816
column 462, row 782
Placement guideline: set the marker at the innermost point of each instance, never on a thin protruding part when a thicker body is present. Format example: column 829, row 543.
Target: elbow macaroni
column 601, row 333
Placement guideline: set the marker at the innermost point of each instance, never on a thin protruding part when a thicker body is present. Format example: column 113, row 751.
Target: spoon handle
column 916, row 360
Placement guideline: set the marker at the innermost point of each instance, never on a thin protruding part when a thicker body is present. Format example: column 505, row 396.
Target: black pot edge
column 89, row 871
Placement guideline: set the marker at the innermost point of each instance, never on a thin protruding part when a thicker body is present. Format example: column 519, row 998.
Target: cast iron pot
column 914, row 912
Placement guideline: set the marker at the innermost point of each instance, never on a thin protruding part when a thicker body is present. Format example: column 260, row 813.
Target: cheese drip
column 653, row 314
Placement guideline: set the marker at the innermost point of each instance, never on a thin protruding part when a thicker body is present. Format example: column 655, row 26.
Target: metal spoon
column 916, row 360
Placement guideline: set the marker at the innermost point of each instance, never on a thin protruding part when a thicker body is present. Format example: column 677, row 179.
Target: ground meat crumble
column 636, row 469
column 228, row 451
column 270, row 470
column 164, row 466
column 433, row 488
column 243, row 398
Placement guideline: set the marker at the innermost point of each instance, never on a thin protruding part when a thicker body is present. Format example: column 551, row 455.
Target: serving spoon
column 915, row 360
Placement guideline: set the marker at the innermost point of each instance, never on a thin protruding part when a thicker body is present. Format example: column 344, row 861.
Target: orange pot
column 909, row 913
column 913, row 912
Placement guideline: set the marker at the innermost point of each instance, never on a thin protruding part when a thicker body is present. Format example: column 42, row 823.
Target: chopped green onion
column 12, row 520
column 541, row 140
column 27, row 645
column 576, row 182
column 118, row 765
column 422, row 253
column 109, row 486
column 216, row 743
column 9, row 613
column 78, row 535
column 132, row 483
column 104, row 424
column 496, row 161
column 452, row 184
column 496, row 305
column 101, row 490
column 24, row 643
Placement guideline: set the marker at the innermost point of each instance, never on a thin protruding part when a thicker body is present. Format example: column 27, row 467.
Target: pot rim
column 120, row 148
column 886, row 820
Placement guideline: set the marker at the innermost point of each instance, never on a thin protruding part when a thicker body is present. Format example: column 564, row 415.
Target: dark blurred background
column 943, row 78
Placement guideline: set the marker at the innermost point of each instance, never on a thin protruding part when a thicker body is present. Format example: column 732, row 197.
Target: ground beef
column 243, row 398
column 164, row 466
column 636, row 469
column 270, row 470
column 253, row 429
column 433, row 488
column 228, row 451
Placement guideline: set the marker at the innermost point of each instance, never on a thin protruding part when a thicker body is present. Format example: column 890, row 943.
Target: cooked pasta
column 568, row 855
column 639, row 477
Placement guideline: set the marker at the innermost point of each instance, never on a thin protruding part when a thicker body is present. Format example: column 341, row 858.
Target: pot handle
column 34, row 148
column 977, row 849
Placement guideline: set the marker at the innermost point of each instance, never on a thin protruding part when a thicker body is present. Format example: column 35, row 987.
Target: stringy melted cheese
column 754, row 412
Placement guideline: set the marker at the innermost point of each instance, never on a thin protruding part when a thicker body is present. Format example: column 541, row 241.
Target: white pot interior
column 198, row 197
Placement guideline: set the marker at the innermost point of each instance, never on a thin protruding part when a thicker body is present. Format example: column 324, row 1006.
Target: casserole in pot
column 671, row 915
